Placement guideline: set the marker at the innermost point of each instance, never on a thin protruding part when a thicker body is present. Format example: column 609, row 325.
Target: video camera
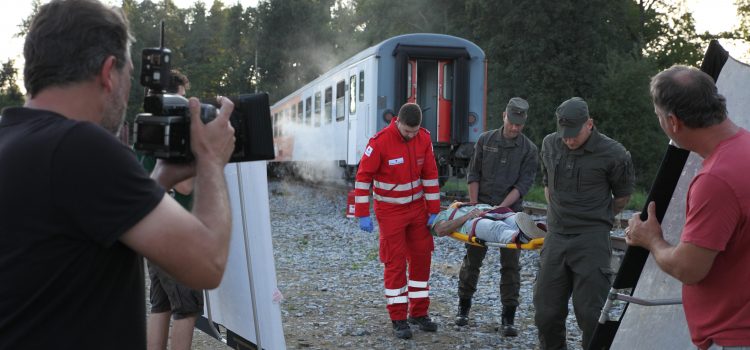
column 163, row 131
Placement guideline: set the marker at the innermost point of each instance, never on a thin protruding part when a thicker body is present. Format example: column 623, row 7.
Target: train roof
column 386, row 48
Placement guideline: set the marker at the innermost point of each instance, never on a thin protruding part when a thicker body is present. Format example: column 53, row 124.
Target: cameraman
column 168, row 297
column 77, row 211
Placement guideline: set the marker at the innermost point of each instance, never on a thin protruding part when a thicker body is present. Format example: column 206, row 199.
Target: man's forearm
column 473, row 192
column 511, row 198
column 211, row 207
column 447, row 227
column 618, row 204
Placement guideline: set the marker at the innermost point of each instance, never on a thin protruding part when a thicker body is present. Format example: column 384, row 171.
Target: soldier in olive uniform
column 501, row 172
column 588, row 178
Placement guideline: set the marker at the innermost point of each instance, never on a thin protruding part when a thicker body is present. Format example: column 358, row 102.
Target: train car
column 328, row 122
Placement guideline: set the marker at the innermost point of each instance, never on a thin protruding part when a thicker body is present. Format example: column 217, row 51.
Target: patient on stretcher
column 488, row 223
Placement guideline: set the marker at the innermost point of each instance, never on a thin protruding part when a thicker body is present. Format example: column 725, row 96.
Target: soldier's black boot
column 462, row 318
column 507, row 329
column 401, row 329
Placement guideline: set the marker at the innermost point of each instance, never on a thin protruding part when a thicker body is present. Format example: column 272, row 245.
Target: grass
column 536, row 194
column 637, row 200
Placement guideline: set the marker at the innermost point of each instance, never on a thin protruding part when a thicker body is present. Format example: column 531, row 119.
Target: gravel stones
column 332, row 280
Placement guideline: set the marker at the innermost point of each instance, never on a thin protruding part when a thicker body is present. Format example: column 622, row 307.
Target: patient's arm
column 446, row 227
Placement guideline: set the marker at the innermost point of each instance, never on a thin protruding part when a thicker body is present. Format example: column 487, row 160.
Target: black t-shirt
column 68, row 191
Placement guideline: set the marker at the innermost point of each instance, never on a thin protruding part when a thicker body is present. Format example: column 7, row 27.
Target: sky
column 11, row 17
column 713, row 16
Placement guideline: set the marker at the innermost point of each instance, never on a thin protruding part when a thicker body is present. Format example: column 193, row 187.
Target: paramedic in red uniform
column 399, row 166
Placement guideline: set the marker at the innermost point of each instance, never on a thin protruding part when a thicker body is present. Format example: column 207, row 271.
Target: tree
column 382, row 19
column 622, row 109
column 668, row 34
column 10, row 93
column 293, row 55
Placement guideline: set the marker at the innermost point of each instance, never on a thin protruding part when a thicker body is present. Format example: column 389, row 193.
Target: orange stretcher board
column 533, row 244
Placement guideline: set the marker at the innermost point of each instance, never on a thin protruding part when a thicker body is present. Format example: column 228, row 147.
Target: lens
column 208, row 112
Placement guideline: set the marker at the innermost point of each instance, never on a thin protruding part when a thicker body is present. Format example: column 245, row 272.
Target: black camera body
column 163, row 130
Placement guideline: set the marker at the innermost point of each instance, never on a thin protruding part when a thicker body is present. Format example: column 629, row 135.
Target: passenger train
column 329, row 121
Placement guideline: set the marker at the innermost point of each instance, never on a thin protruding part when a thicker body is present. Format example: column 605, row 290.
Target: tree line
column 604, row 51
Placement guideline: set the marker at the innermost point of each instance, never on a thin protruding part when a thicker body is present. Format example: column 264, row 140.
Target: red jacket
column 402, row 173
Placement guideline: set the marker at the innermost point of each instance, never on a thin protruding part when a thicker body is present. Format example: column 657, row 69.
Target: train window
column 287, row 117
column 408, row 81
column 340, row 113
column 353, row 94
column 316, row 104
column 448, row 82
column 308, row 111
column 275, row 125
column 299, row 112
column 362, row 86
column 328, row 110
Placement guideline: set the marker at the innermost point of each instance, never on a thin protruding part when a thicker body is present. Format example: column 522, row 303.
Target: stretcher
column 535, row 243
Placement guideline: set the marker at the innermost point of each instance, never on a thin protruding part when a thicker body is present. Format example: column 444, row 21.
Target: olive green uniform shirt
column 582, row 182
column 500, row 164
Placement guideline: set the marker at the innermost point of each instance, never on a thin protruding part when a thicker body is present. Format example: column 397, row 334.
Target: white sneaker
column 527, row 225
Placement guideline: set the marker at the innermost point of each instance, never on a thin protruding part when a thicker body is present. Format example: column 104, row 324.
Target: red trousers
column 405, row 241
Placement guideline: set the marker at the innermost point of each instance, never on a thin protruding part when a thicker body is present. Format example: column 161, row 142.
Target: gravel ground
column 329, row 273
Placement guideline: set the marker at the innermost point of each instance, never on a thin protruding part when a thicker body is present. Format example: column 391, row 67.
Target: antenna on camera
column 155, row 66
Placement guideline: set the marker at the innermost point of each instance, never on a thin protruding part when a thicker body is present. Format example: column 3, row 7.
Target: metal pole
column 214, row 332
column 255, row 67
column 649, row 302
column 613, row 295
column 604, row 316
column 247, row 257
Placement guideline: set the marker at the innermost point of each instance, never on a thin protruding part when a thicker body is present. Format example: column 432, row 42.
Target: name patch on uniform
column 489, row 149
column 396, row 161
column 368, row 151
column 420, row 161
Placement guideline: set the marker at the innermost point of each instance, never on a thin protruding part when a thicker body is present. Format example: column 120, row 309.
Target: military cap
column 571, row 115
column 516, row 110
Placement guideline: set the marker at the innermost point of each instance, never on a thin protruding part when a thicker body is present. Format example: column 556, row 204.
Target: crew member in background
column 588, row 178
column 167, row 296
column 711, row 259
column 399, row 164
column 501, row 172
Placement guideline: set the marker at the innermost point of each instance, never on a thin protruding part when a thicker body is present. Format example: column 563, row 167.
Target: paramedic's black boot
column 507, row 329
column 424, row 323
column 401, row 329
column 462, row 318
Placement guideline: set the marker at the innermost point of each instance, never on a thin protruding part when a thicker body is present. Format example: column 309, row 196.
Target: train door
column 445, row 100
column 411, row 83
column 340, row 130
column 352, row 107
column 428, row 83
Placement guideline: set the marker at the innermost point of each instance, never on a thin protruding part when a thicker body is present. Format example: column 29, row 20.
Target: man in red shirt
column 711, row 259
column 399, row 165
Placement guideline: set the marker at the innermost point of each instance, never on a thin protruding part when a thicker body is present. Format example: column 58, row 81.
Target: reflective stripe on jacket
column 398, row 173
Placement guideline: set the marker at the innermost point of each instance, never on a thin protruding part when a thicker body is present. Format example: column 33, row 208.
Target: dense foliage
column 605, row 51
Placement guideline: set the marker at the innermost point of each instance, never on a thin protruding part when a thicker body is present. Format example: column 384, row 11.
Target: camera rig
column 163, row 130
